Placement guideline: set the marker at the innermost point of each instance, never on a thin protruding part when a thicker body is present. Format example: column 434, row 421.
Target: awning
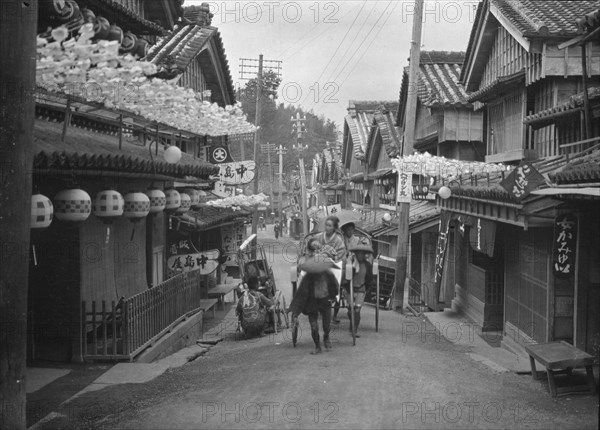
column 358, row 177
column 587, row 191
column 380, row 173
column 207, row 217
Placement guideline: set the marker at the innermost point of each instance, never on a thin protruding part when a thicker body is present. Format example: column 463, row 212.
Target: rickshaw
column 252, row 261
column 345, row 217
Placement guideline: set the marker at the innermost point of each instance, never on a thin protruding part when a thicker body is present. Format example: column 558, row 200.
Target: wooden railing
column 121, row 331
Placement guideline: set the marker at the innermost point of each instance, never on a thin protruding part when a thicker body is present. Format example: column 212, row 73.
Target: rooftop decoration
column 236, row 202
column 97, row 72
column 445, row 168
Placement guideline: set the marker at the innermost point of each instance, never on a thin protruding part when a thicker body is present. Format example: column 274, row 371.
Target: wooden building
column 105, row 291
column 504, row 250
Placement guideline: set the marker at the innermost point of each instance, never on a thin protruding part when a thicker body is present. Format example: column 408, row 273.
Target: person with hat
column 362, row 278
column 350, row 239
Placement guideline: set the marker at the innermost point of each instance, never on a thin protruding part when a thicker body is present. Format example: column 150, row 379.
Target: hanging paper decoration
column 172, row 154
column 137, row 206
column 42, row 211
column 194, row 196
column 173, row 199
column 74, row 205
column 158, row 200
column 108, row 205
column 186, row 203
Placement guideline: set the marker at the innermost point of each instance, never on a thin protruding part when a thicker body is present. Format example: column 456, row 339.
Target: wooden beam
column 67, row 121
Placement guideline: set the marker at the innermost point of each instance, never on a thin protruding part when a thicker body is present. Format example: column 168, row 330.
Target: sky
column 336, row 51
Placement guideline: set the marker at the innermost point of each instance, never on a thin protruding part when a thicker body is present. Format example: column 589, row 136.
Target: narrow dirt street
column 404, row 376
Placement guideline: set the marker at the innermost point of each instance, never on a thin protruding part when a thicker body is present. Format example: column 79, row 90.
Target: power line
column 363, row 41
column 339, row 45
column 369, row 45
column 352, row 43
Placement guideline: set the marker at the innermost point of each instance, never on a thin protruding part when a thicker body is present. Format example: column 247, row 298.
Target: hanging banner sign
column 219, row 154
column 207, row 262
column 522, row 181
column 404, row 189
column 440, row 251
column 482, row 235
column 333, row 209
column 564, row 247
column 240, row 172
column 224, row 190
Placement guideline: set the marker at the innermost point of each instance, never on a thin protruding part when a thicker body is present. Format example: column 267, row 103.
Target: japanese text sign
column 564, row 246
column 404, row 189
column 240, row 172
column 522, row 181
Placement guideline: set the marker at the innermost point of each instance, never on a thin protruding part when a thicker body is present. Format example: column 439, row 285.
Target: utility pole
column 268, row 148
column 247, row 71
column 281, row 151
column 407, row 149
column 257, row 138
column 18, row 31
column 299, row 129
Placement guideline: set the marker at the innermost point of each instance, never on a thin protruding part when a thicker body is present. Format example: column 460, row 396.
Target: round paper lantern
column 158, row 200
column 194, row 196
column 387, row 217
column 172, row 154
column 186, row 203
column 173, row 199
column 137, row 206
column 41, row 211
column 108, row 205
column 444, row 192
column 74, row 205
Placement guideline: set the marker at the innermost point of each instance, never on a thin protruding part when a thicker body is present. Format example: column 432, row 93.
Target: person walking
column 317, row 288
column 276, row 229
column 361, row 280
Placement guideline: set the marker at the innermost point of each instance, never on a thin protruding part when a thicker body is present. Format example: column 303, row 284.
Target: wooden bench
column 208, row 304
column 220, row 291
column 561, row 357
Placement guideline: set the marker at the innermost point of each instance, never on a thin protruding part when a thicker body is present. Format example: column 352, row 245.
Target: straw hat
column 362, row 244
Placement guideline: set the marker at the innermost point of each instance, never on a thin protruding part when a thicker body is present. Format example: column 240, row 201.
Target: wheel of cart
column 252, row 261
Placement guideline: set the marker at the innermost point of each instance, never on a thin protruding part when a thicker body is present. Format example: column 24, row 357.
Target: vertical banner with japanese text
column 564, row 246
column 404, row 189
column 440, row 250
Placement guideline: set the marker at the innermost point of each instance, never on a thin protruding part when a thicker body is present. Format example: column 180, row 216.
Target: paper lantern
column 172, row 154
column 137, row 206
column 444, row 192
column 41, row 211
column 194, row 196
column 74, row 205
column 158, row 201
column 108, row 205
column 186, row 203
column 173, row 199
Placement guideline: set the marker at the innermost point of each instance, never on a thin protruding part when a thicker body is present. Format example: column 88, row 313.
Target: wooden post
column 409, row 135
column 586, row 100
column 67, row 121
column 257, row 139
column 18, row 29
column 120, row 131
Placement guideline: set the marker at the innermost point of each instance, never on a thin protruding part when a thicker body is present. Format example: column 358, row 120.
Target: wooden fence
column 121, row 331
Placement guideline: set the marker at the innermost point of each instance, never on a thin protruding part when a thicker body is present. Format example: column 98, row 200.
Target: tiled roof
column 500, row 83
column 211, row 216
column 573, row 106
column 545, row 17
column 582, row 171
column 360, row 119
column 420, row 211
column 177, row 50
column 87, row 150
column 390, row 135
column 114, row 10
column 439, row 81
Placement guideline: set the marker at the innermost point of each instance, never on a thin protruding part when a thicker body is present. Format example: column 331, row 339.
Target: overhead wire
column 339, row 45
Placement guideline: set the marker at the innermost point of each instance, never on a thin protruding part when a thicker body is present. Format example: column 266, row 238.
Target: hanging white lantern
column 173, row 199
column 42, row 211
column 194, row 196
column 172, row 154
column 137, row 206
column 74, row 205
column 108, row 205
column 186, row 203
column 158, row 200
